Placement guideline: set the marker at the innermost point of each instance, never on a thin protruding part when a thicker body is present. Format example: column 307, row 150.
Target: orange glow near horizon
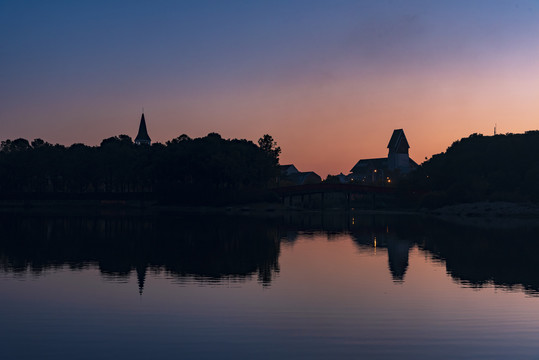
column 327, row 107
column 327, row 126
column 322, row 125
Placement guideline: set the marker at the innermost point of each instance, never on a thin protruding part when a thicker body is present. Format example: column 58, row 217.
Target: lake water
column 319, row 286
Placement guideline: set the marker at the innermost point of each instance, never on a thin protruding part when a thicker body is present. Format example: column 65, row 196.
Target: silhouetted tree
column 478, row 168
column 267, row 144
column 207, row 169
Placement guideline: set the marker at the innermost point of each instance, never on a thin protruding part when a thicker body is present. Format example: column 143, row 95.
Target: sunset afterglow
column 329, row 80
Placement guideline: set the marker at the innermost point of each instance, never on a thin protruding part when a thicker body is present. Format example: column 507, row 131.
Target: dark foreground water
column 331, row 286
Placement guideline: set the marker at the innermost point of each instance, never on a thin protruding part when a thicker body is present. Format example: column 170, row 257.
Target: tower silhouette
column 142, row 137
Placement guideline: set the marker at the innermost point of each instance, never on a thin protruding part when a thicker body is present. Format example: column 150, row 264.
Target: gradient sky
column 329, row 80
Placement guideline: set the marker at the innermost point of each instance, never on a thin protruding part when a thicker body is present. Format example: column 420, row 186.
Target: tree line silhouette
column 214, row 170
column 202, row 170
column 482, row 168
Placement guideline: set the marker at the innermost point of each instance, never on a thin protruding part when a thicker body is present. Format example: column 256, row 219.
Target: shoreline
column 134, row 207
column 494, row 209
column 499, row 211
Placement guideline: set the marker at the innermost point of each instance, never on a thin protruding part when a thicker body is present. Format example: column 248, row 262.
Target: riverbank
column 493, row 215
column 489, row 209
column 495, row 211
column 134, row 207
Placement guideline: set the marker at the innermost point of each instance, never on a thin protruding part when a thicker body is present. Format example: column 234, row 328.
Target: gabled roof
column 376, row 163
column 142, row 131
column 288, row 169
column 302, row 178
column 398, row 141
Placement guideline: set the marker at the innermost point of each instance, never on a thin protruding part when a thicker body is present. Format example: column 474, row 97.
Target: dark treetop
column 201, row 170
column 481, row 168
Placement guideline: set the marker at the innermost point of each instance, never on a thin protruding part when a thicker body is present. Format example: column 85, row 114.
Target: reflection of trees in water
column 206, row 249
column 472, row 255
column 200, row 247
column 480, row 256
column 475, row 256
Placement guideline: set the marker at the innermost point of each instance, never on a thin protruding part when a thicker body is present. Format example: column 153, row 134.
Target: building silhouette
column 384, row 170
column 398, row 158
column 290, row 175
column 142, row 137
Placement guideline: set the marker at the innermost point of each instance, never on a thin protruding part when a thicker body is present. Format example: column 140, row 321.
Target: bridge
column 317, row 194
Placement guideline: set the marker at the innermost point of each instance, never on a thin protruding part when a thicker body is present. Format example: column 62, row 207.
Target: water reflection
column 477, row 256
column 211, row 249
column 196, row 247
column 374, row 232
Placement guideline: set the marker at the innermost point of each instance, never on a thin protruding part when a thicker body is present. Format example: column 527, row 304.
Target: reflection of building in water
column 378, row 236
column 397, row 252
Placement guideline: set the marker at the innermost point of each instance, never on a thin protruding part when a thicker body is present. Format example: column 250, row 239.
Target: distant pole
column 495, row 128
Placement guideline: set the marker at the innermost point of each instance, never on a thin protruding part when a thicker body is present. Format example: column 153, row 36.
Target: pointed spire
column 398, row 142
column 142, row 136
column 141, row 277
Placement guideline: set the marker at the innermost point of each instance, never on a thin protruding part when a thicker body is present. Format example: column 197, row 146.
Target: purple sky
column 329, row 80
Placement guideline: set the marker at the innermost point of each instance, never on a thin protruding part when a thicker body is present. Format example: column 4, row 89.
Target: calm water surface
column 286, row 287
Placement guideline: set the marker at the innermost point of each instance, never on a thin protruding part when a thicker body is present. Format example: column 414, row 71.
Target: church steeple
column 142, row 137
column 398, row 158
column 141, row 276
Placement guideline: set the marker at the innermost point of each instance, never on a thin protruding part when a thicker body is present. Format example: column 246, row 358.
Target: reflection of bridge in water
column 209, row 248
column 337, row 195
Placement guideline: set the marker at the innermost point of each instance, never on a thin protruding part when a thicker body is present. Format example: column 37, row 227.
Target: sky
column 329, row 80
